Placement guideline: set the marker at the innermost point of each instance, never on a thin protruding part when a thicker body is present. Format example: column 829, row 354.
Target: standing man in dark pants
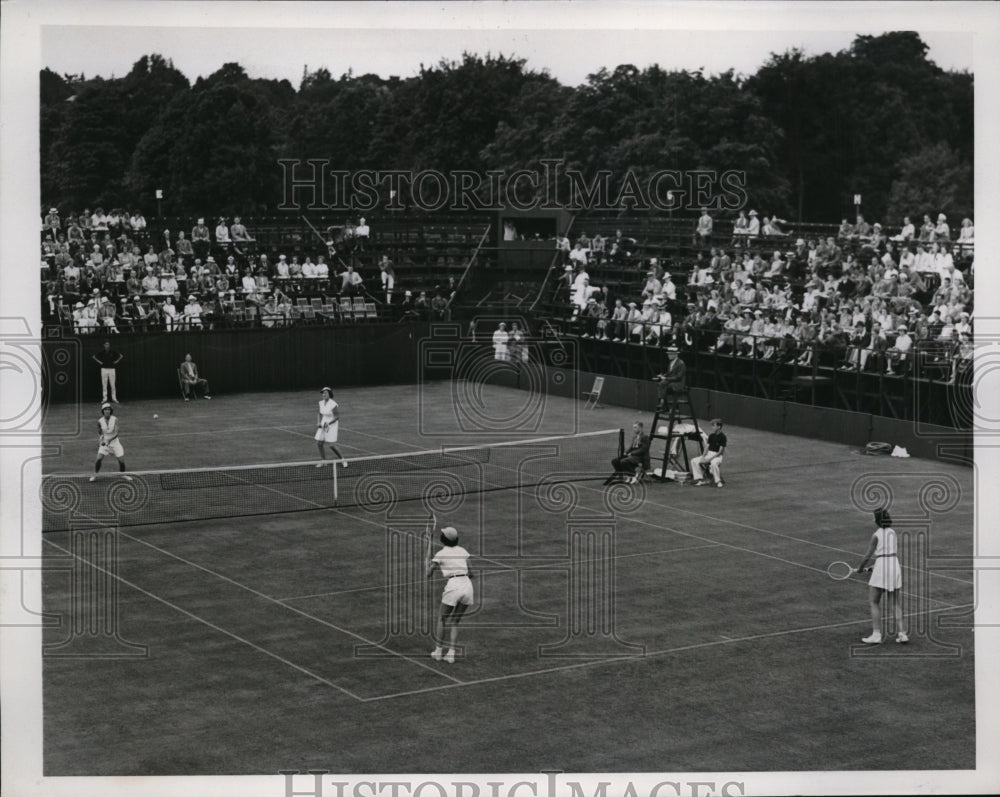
column 673, row 381
column 108, row 359
column 636, row 457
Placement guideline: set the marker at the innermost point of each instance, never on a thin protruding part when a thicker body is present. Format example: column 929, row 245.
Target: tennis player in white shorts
column 453, row 561
column 887, row 577
column 107, row 426
column 328, row 426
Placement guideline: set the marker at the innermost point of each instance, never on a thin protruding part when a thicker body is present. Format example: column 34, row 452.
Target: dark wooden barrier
column 244, row 360
column 787, row 417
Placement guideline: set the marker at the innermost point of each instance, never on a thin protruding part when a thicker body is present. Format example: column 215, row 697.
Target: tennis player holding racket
column 328, row 426
column 887, row 577
column 107, row 426
column 453, row 561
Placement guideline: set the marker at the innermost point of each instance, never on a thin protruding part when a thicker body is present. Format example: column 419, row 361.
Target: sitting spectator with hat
column 942, row 232
column 192, row 312
column 222, row 231
column 899, row 353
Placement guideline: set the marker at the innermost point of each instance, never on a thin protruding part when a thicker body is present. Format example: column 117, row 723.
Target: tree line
column 809, row 132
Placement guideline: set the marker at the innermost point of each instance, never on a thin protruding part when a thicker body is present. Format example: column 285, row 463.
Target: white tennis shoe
column 92, row 479
column 450, row 657
column 436, row 654
column 874, row 639
column 902, row 638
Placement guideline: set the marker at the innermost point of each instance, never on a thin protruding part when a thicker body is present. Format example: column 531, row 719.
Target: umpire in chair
column 635, row 461
column 673, row 381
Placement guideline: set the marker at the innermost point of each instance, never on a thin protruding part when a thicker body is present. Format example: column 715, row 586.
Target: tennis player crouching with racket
column 107, row 426
column 453, row 560
column 328, row 426
column 887, row 577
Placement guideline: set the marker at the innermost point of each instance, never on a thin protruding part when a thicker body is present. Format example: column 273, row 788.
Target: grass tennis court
column 716, row 641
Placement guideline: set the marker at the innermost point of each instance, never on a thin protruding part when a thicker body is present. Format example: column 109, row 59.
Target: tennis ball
column 155, row 416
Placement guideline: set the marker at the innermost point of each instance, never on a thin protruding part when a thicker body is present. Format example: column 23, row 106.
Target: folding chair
column 317, row 305
column 346, row 314
column 594, row 394
column 358, row 308
column 370, row 312
column 239, row 310
column 180, row 382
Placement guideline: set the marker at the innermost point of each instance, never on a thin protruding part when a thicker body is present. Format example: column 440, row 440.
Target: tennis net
column 437, row 477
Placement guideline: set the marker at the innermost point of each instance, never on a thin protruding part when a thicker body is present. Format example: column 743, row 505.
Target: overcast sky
column 569, row 46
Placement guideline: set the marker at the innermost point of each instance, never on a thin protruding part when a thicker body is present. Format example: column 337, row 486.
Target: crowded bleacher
column 116, row 272
column 857, row 298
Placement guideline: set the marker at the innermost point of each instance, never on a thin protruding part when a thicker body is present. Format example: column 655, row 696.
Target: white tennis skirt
column 886, row 574
column 329, row 435
column 114, row 447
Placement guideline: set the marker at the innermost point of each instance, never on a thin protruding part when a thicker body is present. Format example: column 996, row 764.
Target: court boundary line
column 291, row 608
column 507, row 569
column 208, row 623
column 644, row 656
column 741, row 525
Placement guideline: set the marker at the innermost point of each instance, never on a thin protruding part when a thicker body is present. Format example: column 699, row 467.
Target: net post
column 336, row 484
column 621, row 443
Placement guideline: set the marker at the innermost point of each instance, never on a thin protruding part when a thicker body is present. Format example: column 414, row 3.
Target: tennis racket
column 428, row 534
column 841, row 571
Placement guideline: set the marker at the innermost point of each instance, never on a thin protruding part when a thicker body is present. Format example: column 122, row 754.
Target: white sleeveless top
column 885, row 542
column 326, row 408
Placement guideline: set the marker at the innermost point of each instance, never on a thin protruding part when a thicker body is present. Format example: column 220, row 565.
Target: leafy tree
column 933, row 180
column 213, row 148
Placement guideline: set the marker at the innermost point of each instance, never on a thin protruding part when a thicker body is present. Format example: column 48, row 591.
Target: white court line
column 291, row 608
column 508, row 569
column 751, row 528
column 211, row 625
column 643, row 657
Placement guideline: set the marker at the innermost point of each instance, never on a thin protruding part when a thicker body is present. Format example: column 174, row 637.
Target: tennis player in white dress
column 458, row 595
column 328, row 426
column 886, row 577
column 107, row 426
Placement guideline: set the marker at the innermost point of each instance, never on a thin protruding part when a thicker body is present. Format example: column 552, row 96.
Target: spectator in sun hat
column 899, row 353
column 942, row 232
column 222, row 231
column 52, row 221
column 967, row 233
column 753, row 225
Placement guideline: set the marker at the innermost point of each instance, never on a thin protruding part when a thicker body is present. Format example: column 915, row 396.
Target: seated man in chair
column 190, row 380
column 673, row 381
column 712, row 457
column 635, row 461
